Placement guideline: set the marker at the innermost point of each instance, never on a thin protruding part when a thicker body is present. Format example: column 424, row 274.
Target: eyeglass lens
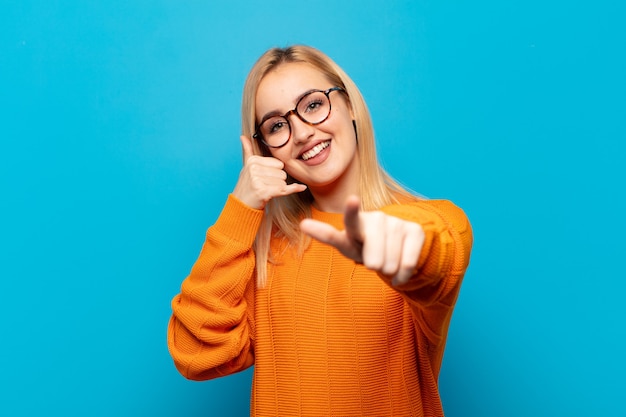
column 313, row 108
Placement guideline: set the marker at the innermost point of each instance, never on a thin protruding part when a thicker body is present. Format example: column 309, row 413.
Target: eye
column 313, row 105
column 276, row 125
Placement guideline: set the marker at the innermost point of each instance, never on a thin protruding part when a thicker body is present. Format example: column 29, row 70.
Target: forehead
column 281, row 87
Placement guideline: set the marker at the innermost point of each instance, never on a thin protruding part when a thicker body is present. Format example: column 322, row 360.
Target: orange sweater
column 326, row 335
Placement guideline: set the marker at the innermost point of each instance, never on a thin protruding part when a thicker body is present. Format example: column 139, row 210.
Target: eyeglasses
column 313, row 108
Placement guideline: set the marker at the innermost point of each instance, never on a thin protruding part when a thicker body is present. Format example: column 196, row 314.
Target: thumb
column 246, row 146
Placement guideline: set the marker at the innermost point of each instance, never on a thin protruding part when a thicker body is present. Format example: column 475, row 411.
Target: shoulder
column 423, row 210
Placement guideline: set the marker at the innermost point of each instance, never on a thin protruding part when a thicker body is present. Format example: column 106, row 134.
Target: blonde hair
column 283, row 214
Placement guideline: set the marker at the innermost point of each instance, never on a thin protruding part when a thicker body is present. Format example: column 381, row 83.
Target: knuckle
column 252, row 159
column 389, row 268
column 407, row 266
column 416, row 230
column 377, row 216
column 372, row 263
column 253, row 169
column 394, row 224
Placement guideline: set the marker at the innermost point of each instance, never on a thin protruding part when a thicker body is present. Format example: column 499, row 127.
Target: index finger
column 351, row 218
column 246, row 146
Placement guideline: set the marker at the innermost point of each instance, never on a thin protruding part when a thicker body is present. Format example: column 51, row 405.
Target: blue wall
column 119, row 132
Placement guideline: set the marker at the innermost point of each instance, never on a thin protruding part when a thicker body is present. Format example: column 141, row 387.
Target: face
column 323, row 156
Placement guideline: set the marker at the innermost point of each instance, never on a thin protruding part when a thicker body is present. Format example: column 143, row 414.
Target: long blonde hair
column 283, row 214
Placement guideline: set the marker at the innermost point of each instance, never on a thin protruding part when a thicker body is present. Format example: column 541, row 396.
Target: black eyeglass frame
column 258, row 136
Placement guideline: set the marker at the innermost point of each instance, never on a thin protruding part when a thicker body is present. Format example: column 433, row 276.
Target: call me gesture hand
column 262, row 178
column 383, row 243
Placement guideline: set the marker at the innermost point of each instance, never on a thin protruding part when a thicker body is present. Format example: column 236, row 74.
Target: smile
column 315, row 150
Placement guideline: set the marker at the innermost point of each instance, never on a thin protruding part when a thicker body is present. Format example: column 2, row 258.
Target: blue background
column 119, row 126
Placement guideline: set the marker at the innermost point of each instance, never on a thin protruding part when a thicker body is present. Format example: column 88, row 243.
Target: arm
column 403, row 242
column 211, row 331
column 421, row 248
column 445, row 252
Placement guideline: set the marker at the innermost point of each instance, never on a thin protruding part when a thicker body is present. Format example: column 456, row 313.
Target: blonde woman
column 321, row 271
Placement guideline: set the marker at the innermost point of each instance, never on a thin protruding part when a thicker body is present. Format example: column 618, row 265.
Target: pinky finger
column 293, row 189
column 411, row 250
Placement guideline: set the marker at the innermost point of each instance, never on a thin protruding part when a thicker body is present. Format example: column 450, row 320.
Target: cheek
column 345, row 129
column 282, row 154
column 342, row 121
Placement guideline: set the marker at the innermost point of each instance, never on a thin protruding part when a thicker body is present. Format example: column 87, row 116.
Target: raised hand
column 382, row 243
column 262, row 178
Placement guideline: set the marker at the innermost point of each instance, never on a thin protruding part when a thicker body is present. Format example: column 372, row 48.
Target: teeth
column 315, row 150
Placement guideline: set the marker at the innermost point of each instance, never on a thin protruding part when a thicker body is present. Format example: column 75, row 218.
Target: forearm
column 445, row 252
column 211, row 330
column 433, row 289
column 221, row 344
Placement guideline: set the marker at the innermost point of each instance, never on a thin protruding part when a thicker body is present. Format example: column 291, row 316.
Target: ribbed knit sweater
column 326, row 336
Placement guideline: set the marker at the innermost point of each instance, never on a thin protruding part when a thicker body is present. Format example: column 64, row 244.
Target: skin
column 334, row 174
column 382, row 243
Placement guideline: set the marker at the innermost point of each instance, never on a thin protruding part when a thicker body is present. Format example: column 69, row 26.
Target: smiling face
column 323, row 156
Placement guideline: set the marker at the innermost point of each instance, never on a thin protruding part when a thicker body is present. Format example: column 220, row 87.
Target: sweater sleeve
column 211, row 330
column 433, row 290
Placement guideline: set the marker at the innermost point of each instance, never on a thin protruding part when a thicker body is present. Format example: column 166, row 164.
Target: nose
column 300, row 130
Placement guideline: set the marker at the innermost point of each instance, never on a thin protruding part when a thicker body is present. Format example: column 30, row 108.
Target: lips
column 315, row 150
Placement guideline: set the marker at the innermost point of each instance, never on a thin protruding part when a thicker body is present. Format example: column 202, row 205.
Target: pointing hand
column 383, row 243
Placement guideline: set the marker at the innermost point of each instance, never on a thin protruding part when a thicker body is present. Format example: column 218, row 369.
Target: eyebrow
column 274, row 113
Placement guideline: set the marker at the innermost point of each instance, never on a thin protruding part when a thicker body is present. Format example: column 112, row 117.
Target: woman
column 336, row 283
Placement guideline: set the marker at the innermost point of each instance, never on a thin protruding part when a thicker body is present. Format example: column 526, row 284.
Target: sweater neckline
column 334, row 219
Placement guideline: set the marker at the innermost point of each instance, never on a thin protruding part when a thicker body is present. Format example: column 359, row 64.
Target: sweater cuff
column 238, row 221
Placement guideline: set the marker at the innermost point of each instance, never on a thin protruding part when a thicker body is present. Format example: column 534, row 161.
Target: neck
column 329, row 204
column 332, row 198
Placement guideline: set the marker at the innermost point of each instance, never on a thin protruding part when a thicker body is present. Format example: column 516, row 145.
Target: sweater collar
column 334, row 219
